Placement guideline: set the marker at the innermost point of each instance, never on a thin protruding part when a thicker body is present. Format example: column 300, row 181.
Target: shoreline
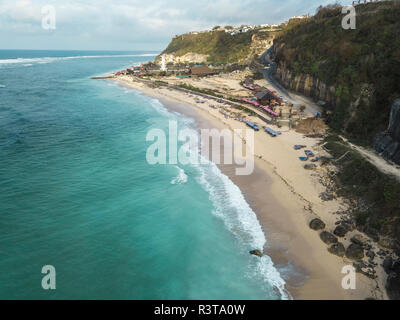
column 293, row 200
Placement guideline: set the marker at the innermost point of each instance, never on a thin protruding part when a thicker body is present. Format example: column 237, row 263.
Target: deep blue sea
column 77, row 193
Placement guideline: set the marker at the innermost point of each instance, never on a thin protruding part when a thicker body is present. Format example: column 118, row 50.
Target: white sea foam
column 2, row 86
column 231, row 206
column 181, row 178
column 44, row 60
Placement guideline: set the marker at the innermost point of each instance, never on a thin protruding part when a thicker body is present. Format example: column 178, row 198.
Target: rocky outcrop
column 388, row 143
column 355, row 252
column 359, row 240
column 393, row 281
column 337, row 249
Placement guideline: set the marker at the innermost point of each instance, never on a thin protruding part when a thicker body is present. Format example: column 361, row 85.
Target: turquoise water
column 77, row 193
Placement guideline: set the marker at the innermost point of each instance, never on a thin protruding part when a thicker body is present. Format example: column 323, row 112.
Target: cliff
column 306, row 84
column 355, row 72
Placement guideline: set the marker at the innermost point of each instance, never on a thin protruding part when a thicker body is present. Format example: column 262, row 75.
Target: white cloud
column 121, row 24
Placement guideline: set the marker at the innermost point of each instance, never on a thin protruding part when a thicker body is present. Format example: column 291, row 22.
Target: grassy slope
column 220, row 46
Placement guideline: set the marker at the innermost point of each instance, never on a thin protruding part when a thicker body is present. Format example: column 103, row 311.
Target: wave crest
column 181, row 178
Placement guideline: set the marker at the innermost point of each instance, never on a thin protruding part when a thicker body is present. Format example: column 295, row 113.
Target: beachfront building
column 264, row 97
column 201, row 71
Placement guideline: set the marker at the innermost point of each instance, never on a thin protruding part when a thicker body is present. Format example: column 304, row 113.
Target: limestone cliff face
column 388, row 143
column 186, row 58
column 306, row 85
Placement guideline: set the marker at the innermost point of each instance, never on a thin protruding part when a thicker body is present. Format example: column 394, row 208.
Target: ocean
column 77, row 193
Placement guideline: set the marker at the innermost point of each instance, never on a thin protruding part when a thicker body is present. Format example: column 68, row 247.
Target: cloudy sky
column 132, row 24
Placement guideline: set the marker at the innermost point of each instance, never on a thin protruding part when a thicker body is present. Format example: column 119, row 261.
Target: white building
column 163, row 64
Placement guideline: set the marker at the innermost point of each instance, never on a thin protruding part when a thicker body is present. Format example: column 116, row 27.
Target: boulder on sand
column 340, row 231
column 317, row 224
column 257, row 253
column 355, row 252
column 328, row 237
column 337, row 249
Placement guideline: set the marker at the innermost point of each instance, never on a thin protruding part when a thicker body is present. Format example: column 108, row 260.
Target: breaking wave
column 231, row 206
column 181, row 178
column 45, row 60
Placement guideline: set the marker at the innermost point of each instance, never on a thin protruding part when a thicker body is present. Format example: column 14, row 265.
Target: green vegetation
column 160, row 82
column 359, row 179
column 221, row 47
column 348, row 59
column 195, row 89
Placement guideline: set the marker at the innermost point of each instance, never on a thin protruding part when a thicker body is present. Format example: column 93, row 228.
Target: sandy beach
column 285, row 198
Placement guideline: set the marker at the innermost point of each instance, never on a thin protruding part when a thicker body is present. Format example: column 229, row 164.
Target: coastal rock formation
column 388, row 143
column 387, row 264
column 317, row 224
column 388, row 243
column 364, row 269
column 355, row 252
column 257, row 253
column 328, row 237
column 337, row 249
column 393, row 286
